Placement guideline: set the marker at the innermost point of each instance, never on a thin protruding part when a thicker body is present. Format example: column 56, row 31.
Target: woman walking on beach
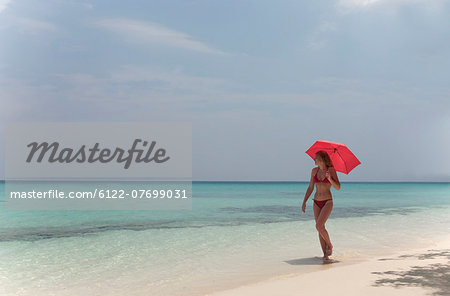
column 324, row 176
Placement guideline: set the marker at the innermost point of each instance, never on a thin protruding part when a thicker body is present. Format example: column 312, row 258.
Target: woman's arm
column 333, row 178
column 310, row 187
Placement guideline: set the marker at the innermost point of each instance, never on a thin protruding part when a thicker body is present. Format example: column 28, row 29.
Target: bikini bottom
column 321, row 203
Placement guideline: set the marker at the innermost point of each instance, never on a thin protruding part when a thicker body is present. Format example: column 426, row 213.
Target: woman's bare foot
column 329, row 251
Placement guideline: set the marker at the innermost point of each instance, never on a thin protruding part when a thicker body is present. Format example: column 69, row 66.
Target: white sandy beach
column 411, row 272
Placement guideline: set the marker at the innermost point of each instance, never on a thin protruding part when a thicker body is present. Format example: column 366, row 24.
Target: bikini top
column 316, row 180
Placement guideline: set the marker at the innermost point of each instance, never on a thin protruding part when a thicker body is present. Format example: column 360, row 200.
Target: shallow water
column 235, row 233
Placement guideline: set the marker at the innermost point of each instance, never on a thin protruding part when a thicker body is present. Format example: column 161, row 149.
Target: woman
column 324, row 176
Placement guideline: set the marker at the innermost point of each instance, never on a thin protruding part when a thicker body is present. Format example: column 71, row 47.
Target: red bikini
column 316, row 180
column 320, row 203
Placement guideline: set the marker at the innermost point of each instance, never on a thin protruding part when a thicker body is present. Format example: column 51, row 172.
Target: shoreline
column 415, row 271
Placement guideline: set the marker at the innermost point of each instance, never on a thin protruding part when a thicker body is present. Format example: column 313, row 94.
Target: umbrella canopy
column 343, row 159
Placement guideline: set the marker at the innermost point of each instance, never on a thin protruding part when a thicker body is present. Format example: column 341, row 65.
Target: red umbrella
column 343, row 159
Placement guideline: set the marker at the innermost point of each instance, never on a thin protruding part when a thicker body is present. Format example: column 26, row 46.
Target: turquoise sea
column 237, row 232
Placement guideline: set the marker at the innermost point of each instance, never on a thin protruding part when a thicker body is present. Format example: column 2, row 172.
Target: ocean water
column 236, row 233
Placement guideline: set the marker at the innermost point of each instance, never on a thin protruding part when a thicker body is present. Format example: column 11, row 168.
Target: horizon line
column 241, row 181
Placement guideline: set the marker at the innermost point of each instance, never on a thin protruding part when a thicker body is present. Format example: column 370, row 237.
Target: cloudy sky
column 260, row 81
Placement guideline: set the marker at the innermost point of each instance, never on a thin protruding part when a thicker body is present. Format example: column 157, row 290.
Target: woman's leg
column 321, row 220
column 323, row 244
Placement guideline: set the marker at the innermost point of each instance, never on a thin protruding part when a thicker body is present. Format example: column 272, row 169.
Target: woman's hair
column 325, row 157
